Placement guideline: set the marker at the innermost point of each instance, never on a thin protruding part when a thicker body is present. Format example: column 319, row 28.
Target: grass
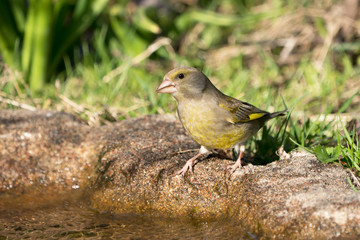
column 340, row 146
column 260, row 52
column 346, row 152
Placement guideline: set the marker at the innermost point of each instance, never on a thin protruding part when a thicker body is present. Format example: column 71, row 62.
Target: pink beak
column 166, row 86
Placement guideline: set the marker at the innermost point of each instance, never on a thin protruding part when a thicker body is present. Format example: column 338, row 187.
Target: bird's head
column 185, row 82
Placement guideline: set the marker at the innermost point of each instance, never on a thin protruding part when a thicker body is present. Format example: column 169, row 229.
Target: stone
column 130, row 166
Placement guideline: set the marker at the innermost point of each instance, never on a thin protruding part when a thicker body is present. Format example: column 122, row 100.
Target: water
column 70, row 217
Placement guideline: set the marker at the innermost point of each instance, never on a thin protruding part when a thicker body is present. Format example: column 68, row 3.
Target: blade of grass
column 18, row 8
column 348, row 102
column 352, row 185
column 65, row 36
column 8, row 32
column 27, row 48
column 41, row 43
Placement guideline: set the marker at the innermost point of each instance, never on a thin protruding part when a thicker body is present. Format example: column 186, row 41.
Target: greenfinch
column 211, row 118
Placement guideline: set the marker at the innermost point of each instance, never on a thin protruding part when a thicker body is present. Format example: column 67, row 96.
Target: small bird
column 213, row 119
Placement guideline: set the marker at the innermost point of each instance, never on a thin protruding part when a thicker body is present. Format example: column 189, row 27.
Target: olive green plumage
column 213, row 119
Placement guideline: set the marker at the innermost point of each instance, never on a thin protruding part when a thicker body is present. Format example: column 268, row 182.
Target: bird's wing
column 241, row 111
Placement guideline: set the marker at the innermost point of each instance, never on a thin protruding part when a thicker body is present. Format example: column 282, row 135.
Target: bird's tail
column 277, row 114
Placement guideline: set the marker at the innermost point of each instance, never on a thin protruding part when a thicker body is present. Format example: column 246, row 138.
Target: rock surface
column 45, row 148
column 130, row 166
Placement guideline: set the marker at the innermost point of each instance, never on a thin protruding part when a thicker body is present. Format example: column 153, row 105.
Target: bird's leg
column 237, row 164
column 192, row 161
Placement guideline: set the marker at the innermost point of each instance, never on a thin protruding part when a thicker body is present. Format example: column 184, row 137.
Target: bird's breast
column 208, row 126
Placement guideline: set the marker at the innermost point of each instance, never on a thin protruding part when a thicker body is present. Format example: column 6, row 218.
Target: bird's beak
column 166, row 86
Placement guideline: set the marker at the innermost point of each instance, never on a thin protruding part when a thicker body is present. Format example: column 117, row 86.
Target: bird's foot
column 232, row 168
column 237, row 164
column 187, row 167
column 189, row 164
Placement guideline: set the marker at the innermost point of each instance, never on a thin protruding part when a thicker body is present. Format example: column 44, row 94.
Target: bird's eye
column 181, row 76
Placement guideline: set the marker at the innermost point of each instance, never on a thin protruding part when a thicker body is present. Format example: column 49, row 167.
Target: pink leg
column 189, row 164
column 237, row 164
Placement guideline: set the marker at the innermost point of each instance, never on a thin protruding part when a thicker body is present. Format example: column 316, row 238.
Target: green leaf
column 326, row 154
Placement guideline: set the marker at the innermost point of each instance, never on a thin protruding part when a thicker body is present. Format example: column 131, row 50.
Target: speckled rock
column 45, row 148
column 297, row 198
column 131, row 167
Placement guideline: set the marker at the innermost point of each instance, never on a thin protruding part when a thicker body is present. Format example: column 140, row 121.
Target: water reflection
column 71, row 218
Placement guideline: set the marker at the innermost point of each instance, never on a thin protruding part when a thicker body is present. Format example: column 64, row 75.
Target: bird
column 213, row 119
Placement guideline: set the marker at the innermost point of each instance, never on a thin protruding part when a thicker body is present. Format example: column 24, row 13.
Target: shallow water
column 71, row 218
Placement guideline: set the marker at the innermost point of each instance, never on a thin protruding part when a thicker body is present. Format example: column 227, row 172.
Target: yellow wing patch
column 254, row 116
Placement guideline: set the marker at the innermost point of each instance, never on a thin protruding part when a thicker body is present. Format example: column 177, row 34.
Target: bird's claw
column 232, row 168
column 190, row 163
column 187, row 167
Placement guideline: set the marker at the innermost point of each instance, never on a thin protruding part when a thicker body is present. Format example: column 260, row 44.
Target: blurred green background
column 103, row 60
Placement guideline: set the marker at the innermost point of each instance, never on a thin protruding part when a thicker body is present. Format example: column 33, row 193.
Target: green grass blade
column 8, row 32
column 42, row 36
column 142, row 21
column 348, row 102
column 219, row 19
column 352, row 185
column 132, row 44
column 19, row 10
column 28, row 49
column 65, row 36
